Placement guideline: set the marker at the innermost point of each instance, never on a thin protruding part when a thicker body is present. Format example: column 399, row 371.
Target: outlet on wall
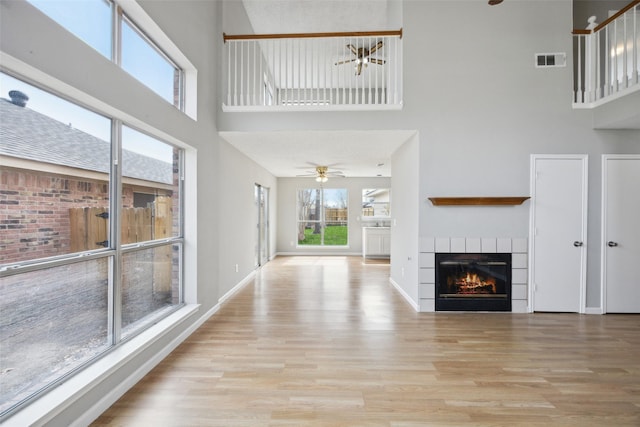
column 237, row 268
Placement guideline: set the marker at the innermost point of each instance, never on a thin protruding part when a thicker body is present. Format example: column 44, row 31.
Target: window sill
column 52, row 403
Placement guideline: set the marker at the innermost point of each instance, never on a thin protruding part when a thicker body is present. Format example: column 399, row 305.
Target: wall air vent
column 545, row 60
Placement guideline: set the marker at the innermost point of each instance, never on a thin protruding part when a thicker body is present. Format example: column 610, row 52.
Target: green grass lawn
column 334, row 235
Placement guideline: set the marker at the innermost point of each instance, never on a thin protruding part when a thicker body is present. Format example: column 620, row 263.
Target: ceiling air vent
column 544, row 60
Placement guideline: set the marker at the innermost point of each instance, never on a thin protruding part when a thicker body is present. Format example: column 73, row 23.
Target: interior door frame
column 262, row 194
column 584, row 158
column 603, row 225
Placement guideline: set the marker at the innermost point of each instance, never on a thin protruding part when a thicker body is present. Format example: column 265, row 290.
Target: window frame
column 114, row 252
column 153, row 35
column 123, row 18
column 322, row 221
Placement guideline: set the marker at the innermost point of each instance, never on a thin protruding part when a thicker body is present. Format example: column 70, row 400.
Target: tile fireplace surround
column 517, row 247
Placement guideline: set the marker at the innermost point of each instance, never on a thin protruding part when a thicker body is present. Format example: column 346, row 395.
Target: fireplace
column 473, row 281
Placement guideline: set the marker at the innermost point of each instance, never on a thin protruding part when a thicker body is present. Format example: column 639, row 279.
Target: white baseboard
column 406, row 296
column 237, row 287
column 593, row 310
column 319, row 253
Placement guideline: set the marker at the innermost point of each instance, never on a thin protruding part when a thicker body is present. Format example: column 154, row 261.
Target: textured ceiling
column 319, row 16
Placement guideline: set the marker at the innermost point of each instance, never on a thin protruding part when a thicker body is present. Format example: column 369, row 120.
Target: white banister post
column 578, row 96
column 590, row 61
column 636, row 40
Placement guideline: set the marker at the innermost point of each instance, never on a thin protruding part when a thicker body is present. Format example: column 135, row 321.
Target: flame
column 472, row 283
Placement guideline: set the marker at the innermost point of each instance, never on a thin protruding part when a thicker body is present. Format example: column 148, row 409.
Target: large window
column 137, row 53
column 84, row 263
column 323, row 217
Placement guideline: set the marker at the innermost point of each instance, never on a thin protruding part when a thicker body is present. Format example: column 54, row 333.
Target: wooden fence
column 89, row 230
column 335, row 214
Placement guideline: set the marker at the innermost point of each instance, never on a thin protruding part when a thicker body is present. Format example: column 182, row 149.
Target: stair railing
column 607, row 61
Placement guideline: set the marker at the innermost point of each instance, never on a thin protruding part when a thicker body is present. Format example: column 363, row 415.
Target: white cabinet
column 376, row 242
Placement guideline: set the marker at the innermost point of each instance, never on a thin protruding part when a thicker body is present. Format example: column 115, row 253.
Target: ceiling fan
column 363, row 56
column 322, row 174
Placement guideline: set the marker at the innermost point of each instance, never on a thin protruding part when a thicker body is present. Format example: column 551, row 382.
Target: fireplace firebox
column 473, row 282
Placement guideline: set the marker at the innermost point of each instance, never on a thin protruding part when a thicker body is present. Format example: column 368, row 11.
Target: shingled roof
column 28, row 134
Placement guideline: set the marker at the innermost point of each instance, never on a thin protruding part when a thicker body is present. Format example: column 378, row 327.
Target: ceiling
column 292, row 153
column 320, row 16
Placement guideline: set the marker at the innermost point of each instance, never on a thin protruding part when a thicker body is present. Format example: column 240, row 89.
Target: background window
column 323, row 217
column 376, row 202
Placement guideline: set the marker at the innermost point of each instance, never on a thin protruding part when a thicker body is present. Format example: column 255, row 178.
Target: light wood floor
column 327, row 341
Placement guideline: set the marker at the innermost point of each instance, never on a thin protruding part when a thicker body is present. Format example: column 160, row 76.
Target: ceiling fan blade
column 377, row 61
column 359, row 69
column 346, row 61
column 353, row 49
column 376, row 47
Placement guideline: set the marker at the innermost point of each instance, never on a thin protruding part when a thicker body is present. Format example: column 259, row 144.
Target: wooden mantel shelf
column 477, row 201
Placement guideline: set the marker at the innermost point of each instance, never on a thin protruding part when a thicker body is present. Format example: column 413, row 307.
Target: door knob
column 577, row 244
column 612, row 244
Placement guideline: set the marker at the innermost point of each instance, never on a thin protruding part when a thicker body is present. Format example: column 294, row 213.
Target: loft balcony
column 607, row 68
column 313, row 71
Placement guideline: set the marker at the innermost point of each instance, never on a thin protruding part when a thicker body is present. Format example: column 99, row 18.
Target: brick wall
column 34, row 211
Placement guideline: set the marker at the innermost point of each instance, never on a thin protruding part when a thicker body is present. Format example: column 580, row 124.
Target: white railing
column 318, row 71
column 607, row 58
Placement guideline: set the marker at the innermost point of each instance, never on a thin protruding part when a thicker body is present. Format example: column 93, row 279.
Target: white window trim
column 143, row 21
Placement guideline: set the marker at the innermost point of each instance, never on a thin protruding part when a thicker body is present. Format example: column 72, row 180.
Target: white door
column 558, row 232
column 621, row 233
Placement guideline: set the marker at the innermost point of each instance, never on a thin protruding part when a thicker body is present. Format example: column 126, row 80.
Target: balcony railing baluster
column 615, row 53
column 313, row 71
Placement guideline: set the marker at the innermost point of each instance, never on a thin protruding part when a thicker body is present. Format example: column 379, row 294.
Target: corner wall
column 405, row 222
column 238, row 220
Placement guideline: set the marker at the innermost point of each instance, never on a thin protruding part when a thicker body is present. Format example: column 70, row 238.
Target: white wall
column 481, row 109
column 238, row 214
column 488, row 108
column 287, row 230
column 405, row 169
